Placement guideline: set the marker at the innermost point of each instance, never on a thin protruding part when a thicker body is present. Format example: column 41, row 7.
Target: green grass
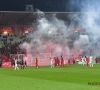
column 70, row 77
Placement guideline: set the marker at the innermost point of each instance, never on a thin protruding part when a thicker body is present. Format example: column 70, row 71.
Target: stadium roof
column 19, row 18
column 27, row 18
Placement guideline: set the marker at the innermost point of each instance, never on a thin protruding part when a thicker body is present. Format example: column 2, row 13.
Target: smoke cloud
column 78, row 35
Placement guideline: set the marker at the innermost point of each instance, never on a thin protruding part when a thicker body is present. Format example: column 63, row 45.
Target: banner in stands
column 26, row 29
column 6, row 64
column 8, row 29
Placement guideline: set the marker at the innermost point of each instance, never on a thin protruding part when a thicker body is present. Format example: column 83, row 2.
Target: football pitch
column 70, row 77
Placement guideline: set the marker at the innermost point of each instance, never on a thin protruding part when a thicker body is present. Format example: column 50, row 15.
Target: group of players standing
column 54, row 62
column 88, row 60
column 21, row 63
column 57, row 62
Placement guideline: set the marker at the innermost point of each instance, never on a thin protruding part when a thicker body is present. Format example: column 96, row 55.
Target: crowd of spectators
column 12, row 47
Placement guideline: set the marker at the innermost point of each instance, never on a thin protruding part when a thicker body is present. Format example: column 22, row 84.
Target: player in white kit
column 91, row 61
column 52, row 62
column 16, row 65
column 83, row 60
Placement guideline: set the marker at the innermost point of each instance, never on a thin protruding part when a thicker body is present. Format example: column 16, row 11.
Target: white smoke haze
column 92, row 25
column 84, row 40
column 57, row 37
column 26, row 46
column 50, row 37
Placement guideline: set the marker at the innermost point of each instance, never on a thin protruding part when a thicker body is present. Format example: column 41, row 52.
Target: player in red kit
column 58, row 61
column 55, row 60
column 62, row 62
column 36, row 62
column 87, row 61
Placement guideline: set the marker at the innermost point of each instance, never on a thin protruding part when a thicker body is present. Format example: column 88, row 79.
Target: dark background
column 49, row 5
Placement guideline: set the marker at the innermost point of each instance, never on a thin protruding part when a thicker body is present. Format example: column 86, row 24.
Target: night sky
column 48, row 5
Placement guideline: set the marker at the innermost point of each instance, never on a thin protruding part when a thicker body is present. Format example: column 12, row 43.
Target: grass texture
column 69, row 77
